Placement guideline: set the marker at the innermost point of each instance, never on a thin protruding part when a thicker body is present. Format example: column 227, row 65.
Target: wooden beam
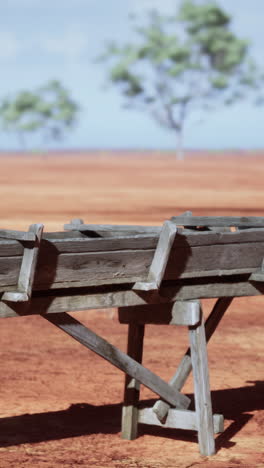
column 177, row 313
column 160, row 259
column 219, row 221
column 119, row 359
column 178, row 419
column 109, row 229
column 17, row 235
column 84, row 262
column 63, row 302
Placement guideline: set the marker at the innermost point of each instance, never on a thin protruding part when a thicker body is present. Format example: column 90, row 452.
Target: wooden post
column 202, row 395
column 132, row 386
column 28, row 268
column 160, row 259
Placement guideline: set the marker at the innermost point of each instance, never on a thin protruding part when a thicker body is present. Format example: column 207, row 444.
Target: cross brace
column 119, row 359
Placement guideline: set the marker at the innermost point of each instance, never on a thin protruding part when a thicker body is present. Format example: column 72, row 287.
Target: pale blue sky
column 46, row 39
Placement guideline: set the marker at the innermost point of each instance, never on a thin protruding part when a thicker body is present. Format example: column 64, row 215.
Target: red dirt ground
column 61, row 404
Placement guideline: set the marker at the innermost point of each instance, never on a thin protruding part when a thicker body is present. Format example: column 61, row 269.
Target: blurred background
column 130, row 112
column 58, row 40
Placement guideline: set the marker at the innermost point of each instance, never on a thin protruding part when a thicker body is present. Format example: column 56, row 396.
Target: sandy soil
column 61, row 404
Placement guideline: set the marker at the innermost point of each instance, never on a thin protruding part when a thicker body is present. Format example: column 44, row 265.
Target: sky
column 60, row 39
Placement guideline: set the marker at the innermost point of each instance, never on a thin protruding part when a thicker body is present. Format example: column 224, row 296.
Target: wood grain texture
column 103, row 298
column 81, row 261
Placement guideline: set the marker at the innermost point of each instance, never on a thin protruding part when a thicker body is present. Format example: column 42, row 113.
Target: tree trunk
column 180, row 150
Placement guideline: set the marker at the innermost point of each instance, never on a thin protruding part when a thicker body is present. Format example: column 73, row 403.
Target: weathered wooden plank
column 109, row 229
column 17, row 235
column 179, row 419
column 132, row 386
column 219, row 221
column 96, row 267
column 75, row 241
column 27, row 270
column 213, row 260
column 177, row 313
column 202, row 395
column 93, row 267
column 84, row 244
column 119, row 359
column 200, row 261
column 64, row 242
column 54, row 303
column 160, row 258
column 161, row 408
column 53, row 245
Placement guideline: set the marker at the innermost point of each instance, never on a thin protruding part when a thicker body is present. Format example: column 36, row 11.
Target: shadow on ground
column 84, row 419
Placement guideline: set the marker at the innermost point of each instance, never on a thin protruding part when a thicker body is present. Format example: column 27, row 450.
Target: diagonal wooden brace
column 119, row 359
column 28, row 266
column 160, row 259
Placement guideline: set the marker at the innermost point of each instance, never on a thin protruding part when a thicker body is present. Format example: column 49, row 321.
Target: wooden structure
column 153, row 275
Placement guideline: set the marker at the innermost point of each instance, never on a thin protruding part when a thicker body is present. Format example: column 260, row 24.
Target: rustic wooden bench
column 152, row 275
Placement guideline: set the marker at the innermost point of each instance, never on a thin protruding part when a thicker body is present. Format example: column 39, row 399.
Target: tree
column 49, row 110
column 183, row 65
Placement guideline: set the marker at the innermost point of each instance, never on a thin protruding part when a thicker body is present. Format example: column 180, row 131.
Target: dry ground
column 60, row 404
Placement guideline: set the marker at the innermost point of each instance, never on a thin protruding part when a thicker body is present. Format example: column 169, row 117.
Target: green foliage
column 191, row 61
column 49, row 110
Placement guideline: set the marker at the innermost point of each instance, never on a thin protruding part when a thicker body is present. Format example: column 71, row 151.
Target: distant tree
column 183, row 65
column 49, row 110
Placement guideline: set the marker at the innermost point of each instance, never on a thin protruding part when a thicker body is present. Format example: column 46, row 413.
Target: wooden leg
column 202, row 395
column 132, row 386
